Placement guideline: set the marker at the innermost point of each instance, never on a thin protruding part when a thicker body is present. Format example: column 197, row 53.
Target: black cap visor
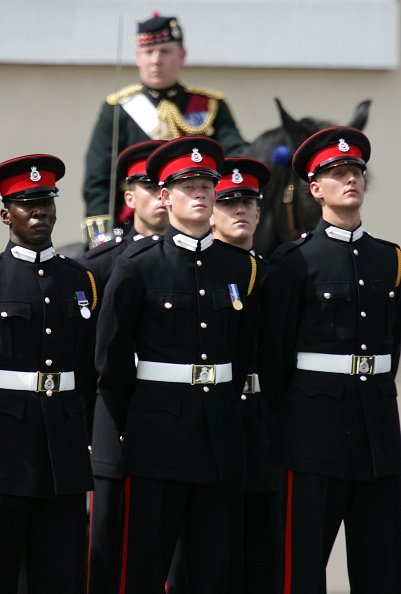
column 336, row 162
column 32, row 194
column 189, row 172
column 244, row 192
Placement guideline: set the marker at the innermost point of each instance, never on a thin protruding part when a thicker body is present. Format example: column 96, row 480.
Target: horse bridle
column 288, row 201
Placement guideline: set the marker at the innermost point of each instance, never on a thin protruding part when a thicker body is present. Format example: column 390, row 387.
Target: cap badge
column 175, row 32
column 343, row 146
column 35, row 175
column 196, row 157
column 236, row 177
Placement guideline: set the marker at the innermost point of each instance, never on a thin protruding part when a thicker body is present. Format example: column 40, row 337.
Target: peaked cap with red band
column 184, row 157
column 131, row 161
column 158, row 29
column 331, row 147
column 30, row 177
column 242, row 177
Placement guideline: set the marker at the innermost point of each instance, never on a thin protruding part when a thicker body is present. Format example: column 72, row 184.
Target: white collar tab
column 22, row 253
column 191, row 244
column 344, row 235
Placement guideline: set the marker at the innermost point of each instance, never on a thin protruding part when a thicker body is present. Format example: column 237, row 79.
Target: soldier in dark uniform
column 47, row 307
column 143, row 196
column 188, row 303
column 142, row 205
column 330, row 316
column 234, row 220
column 158, row 107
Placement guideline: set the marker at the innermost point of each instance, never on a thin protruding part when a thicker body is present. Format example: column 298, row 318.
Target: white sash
column 143, row 112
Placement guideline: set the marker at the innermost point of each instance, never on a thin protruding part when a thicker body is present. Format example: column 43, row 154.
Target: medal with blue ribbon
column 83, row 304
column 234, row 296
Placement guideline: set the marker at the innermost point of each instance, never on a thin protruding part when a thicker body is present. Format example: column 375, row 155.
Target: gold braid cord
column 94, row 289
column 253, row 275
column 173, row 124
column 398, row 277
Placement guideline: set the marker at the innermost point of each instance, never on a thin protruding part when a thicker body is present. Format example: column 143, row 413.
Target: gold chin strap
column 398, row 277
column 253, row 275
column 173, row 124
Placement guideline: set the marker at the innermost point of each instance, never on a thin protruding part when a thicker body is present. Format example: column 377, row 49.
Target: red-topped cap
column 186, row 157
column 329, row 148
column 242, row 177
column 30, row 177
column 132, row 160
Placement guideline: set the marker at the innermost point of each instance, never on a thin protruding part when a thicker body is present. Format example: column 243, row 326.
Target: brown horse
column 287, row 209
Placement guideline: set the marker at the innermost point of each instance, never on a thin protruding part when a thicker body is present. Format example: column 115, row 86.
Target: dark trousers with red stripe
column 371, row 512
column 105, row 536
column 209, row 516
column 52, row 531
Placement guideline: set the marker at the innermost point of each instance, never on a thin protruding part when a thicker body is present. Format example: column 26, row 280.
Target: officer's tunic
column 43, row 438
column 44, row 463
column 334, row 292
column 325, row 295
column 195, row 107
column 175, row 304
column 172, row 300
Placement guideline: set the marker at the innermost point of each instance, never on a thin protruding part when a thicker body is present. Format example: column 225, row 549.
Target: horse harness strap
column 288, row 201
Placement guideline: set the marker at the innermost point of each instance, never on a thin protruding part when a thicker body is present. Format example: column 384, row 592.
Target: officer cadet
column 143, row 196
column 159, row 107
column 142, row 205
column 188, row 304
column 330, row 315
column 234, row 220
column 47, row 305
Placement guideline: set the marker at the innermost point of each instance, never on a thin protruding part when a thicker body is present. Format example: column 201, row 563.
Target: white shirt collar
column 344, row 235
column 137, row 237
column 191, row 244
column 22, row 253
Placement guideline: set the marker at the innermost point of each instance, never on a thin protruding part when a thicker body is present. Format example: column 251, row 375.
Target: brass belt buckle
column 362, row 365
column 249, row 386
column 203, row 374
column 48, row 381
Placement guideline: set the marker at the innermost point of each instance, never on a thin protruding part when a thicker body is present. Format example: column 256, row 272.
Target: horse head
column 287, row 209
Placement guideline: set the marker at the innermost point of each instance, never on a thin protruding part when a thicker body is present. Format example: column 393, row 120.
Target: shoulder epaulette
column 206, row 92
column 70, row 261
column 260, row 258
column 397, row 249
column 89, row 275
column 137, row 247
column 102, row 248
column 385, row 241
column 289, row 246
column 116, row 97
